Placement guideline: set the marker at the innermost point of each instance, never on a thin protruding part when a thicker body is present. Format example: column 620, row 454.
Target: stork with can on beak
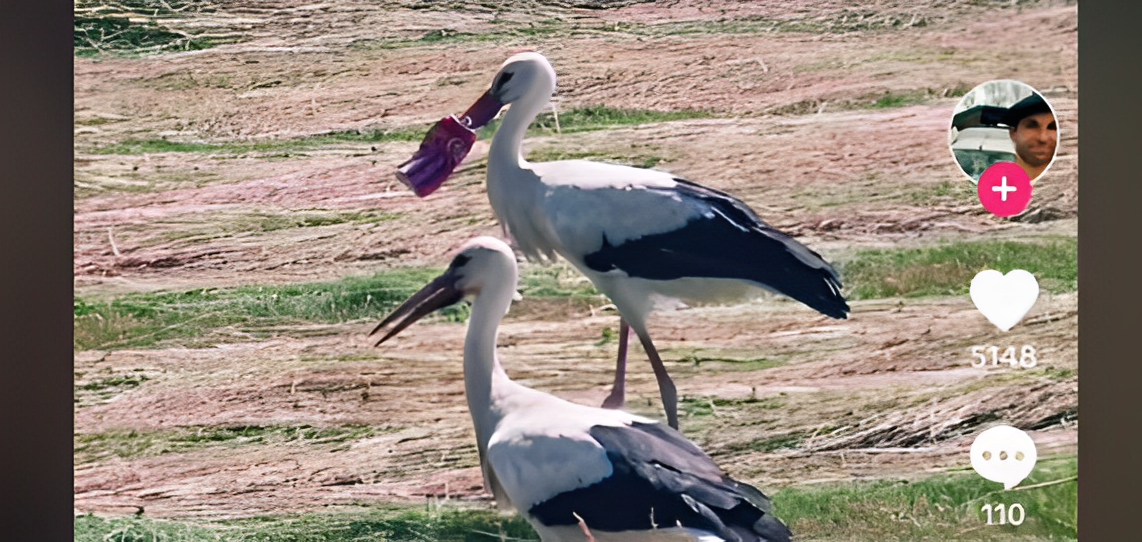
column 643, row 237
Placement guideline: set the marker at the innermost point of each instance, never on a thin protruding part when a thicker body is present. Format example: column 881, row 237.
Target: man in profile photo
column 1031, row 125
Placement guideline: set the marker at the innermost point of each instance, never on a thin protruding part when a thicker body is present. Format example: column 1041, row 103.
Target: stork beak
column 445, row 146
column 439, row 293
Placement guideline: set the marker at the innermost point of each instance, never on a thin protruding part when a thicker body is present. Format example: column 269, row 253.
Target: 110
column 1008, row 515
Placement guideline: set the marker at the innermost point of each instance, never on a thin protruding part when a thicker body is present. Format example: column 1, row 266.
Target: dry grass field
column 238, row 230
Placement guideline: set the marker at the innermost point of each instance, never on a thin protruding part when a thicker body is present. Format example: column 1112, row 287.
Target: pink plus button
column 1004, row 189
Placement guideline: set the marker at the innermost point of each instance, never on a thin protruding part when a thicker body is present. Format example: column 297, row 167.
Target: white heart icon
column 1004, row 299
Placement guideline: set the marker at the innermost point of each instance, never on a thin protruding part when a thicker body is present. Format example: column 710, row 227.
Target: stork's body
column 627, row 478
column 641, row 236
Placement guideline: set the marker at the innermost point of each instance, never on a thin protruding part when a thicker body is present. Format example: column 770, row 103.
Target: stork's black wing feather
column 662, row 480
column 727, row 240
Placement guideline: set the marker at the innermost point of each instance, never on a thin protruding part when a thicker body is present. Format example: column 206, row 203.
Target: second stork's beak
column 438, row 294
column 445, row 146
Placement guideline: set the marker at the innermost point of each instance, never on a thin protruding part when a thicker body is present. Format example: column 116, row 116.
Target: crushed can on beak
column 445, row 146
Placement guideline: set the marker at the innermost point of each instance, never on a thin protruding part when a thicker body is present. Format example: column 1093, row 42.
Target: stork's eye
column 459, row 260
column 503, row 80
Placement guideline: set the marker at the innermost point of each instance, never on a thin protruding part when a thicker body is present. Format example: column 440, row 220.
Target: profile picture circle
column 1004, row 121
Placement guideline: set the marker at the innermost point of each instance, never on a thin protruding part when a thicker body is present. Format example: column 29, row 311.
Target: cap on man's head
column 1031, row 105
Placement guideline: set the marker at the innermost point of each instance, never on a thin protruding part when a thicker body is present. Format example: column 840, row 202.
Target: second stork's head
column 484, row 268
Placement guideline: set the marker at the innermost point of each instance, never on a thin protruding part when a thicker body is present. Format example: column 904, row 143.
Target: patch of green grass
column 941, row 192
column 959, row 90
column 943, row 507
column 949, row 269
column 770, row 444
column 132, row 27
column 557, row 279
column 848, row 20
column 159, row 145
column 447, row 35
column 409, row 526
column 882, row 100
column 105, row 386
column 339, row 357
column 146, row 146
column 556, row 28
column 899, row 99
column 224, row 225
column 89, row 528
column 134, row 444
column 109, row 34
column 117, row 381
column 550, row 155
column 393, row 525
column 314, row 219
column 576, row 120
column 142, row 320
column 86, row 184
column 1054, row 373
column 511, row 31
column 946, row 507
column 598, row 117
column 96, row 121
column 182, row 81
column 736, row 364
column 702, row 406
column 608, row 336
column 374, row 135
column 778, row 442
column 891, row 99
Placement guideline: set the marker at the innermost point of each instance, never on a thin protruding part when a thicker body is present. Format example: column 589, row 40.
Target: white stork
column 642, row 236
column 572, row 469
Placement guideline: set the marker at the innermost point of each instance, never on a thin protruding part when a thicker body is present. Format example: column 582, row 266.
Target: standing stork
column 642, row 236
column 576, row 472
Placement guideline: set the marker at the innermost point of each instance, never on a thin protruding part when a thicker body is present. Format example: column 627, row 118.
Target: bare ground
column 887, row 393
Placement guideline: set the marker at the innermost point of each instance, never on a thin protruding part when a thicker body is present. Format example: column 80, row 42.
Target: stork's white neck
column 506, row 151
column 484, row 378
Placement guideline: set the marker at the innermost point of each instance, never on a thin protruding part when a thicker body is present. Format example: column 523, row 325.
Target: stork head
column 448, row 142
column 521, row 75
column 483, row 263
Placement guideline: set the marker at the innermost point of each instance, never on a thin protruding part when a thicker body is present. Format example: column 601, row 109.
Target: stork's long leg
column 617, row 398
column 665, row 385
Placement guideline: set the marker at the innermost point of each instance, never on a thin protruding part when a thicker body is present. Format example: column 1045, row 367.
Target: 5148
column 1025, row 357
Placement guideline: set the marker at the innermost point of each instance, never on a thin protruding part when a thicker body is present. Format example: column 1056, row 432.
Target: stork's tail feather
column 745, row 520
column 772, row 530
column 823, row 295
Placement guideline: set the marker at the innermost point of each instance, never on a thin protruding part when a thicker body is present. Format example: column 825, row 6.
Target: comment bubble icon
column 1003, row 454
